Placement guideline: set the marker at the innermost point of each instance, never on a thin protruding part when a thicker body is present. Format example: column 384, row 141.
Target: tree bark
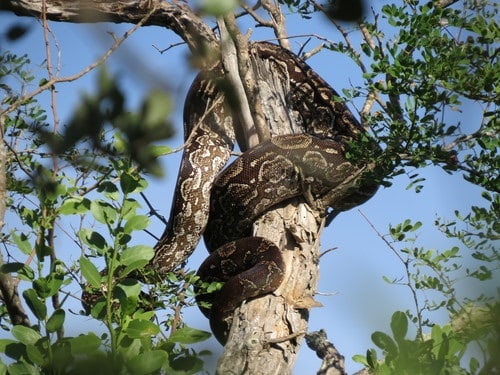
column 267, row 332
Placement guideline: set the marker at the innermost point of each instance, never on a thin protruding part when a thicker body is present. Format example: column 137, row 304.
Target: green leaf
column 139, row 328
column 148, row 362
column 4, row 343
column 47, row 287
column 473, row 365
column 371, row 358
column 23, row 271
column 90, row 272
column 136, row 257
column 109, row 190
column 184, row 365
column 128, row 183
column 416, row 226
column 188, row 335
column 138, row 222
column 41, row 287
column 22, row 242
column 93, row 239
column 131, row 288
column 84, row 344
column 385, row 342
column 22, row 369
column 26, row 335
column 399, row 325
column 35, row 355
column 103, row 212
column 75, row 205
column 36, row 306
column 157, row 151
column 120, row 143
column 55, row 321
column 358, row 358
column 129, row 208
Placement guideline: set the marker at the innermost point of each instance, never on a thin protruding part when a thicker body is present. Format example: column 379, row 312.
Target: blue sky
column 357, row 301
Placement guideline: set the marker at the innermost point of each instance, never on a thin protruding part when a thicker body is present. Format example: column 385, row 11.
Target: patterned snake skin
column 224, row 206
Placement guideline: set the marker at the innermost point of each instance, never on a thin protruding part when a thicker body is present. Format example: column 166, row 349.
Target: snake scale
column 222, row 206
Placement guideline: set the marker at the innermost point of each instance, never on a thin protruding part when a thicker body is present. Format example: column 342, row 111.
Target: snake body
column 224, row 206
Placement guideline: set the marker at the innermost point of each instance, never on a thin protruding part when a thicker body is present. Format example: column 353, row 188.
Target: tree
column 417, row 60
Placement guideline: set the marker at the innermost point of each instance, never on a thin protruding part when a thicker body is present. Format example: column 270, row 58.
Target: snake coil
column 223, row 206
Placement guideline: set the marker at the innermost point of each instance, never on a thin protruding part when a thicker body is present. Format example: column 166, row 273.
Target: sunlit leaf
column 188, row 335
column 26, row 335
column 37, row 306
column 147, row 362
column 90, row 272
column 56, row 320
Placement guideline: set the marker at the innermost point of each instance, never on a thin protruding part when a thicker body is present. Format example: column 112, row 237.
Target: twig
column 152, row 210
column 328, row 251
column 172, row 45
column 355, row 54
column 53, row 104
column 261, row 21
column 312, row 52
column 48, row 85
column 406, row 265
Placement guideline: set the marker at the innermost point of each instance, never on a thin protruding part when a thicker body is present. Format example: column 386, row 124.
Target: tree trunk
column 267, row 332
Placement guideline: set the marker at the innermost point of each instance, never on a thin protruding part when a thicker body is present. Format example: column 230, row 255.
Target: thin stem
column 406, row 265
column 48, row 85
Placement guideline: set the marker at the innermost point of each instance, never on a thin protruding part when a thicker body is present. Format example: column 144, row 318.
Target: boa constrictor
column 310, row 165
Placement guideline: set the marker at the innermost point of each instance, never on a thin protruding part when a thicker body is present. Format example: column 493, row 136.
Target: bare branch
column 278, row 21
column 444, row 3
column 333, row 361
column 174, row 15
column 236, row 67
column 48, row 85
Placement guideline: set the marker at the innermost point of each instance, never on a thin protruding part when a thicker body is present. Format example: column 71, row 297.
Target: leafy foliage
column 98, row 199
column 473, row 319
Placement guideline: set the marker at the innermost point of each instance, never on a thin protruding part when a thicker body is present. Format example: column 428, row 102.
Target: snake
column 307, row 159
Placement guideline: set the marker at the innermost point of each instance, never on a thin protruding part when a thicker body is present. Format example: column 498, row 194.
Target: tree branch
column 173, row 15
column 51, row 82
column 232, row 61
column 444, row 3
column 333, row 361
column 8, row 285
